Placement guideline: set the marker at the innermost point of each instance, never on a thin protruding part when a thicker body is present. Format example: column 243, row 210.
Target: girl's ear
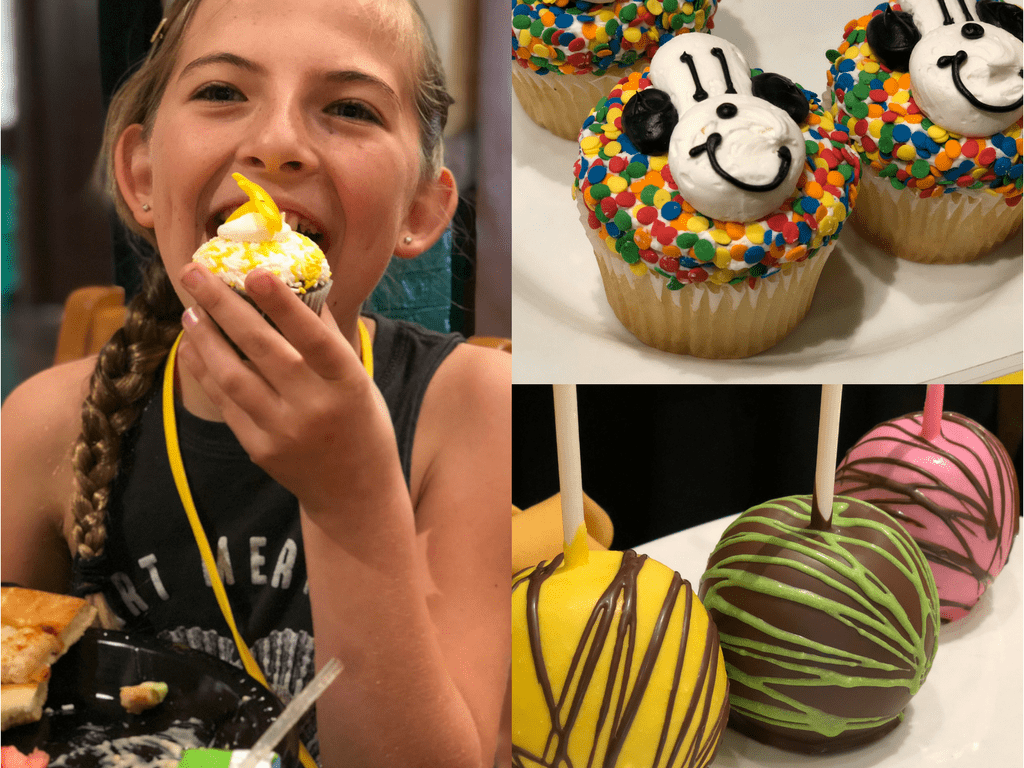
column 431, row 211
column 134, row 173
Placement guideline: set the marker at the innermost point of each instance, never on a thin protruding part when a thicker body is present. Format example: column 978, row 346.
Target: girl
column 372, row 513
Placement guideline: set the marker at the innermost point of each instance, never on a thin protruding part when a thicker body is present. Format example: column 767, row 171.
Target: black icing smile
column 954, row 63
column 711, row 147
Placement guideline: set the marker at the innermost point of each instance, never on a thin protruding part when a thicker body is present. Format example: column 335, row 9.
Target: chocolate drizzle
column 955, row 63
column 977, row 518
column 622, row 687
column 711, row 146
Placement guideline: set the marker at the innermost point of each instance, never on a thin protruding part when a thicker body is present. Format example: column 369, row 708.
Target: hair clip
column 158, row 35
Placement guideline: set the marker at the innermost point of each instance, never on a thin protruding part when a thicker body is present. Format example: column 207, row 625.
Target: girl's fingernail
column 192, row 278
column 190, row 318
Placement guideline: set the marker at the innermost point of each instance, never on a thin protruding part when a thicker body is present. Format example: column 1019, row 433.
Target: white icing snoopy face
column 965, row 60
column 734, row 154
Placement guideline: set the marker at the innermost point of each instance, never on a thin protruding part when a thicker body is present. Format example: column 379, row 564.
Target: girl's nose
column 279, row 142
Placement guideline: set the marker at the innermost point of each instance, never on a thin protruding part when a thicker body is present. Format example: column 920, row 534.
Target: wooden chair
column 93, row 313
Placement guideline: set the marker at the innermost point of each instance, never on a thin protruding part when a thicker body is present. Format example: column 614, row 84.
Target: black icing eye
column 1006, row 16
column 648, row 120
column 726, row 110
column 972, row 31
column 892, row 36
column 783, row 93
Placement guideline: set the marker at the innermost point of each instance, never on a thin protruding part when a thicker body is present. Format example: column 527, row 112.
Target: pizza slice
column 37, row 628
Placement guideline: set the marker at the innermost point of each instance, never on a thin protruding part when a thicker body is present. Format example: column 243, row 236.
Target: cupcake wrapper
column 313, row 298
column 560, row 103
column 954, row 228
column 703, row 319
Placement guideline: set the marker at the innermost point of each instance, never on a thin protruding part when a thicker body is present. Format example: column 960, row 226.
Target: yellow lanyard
column 181, row 483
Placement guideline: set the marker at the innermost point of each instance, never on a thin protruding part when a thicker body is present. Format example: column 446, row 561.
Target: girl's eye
column 353, row 110
column 218, row 92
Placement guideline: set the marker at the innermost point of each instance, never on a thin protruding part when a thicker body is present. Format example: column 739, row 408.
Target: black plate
column 217, row 702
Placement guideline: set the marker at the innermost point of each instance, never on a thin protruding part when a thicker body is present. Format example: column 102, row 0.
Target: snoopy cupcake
column 931, row 94
column 712, row 199
column 567, row 54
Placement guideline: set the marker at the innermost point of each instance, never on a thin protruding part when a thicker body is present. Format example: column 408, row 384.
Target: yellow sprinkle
column 722, row 258
column 687, row 8
column 875, row 128
column 525, row 38
column 602, row 35
column 906, row 152
column 612, row 148
column 755, row 233
column 698, row 19
column 654, row 7
column 938, row 134
column 657, row 162
column 617, row 184
column 852, row 51
column 721, row 277
column 541, row 50
column 721, row 237
column 870, row 66
column 590, row 144
column 661, row 197
column 605, row 15
column 639, row 269
column 632, row 34
column 697, row 224
column 901, row 97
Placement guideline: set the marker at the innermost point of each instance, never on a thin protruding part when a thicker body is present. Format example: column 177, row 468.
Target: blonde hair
column 127, row 365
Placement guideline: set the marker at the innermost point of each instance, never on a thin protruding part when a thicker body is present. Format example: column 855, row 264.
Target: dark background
column 660, row 459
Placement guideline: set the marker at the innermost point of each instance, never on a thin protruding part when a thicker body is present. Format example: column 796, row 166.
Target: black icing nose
column 726, row 110
column 972, row 31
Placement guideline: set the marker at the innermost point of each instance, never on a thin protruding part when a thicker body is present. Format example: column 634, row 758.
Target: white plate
column 873, row 318
column 967, row 714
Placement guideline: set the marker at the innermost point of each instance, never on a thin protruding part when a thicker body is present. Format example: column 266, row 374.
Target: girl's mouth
column 297, row 222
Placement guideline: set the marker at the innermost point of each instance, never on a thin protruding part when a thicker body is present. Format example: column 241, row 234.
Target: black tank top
column 151, row 573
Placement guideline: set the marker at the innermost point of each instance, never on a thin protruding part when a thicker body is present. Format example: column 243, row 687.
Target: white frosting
column 290, row 255
column 750, row 139
column 749, row 152
column 928, row 14
column 991, row 72
column 671, row 74
column 252, row 228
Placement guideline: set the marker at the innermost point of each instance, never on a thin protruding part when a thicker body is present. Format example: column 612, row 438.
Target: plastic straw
column 931, row 423
column 291, row 715
column 828, row 444
column 570, row 475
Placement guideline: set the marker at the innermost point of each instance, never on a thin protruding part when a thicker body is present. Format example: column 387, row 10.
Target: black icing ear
column 648, row 120
column 1003, row 15
column 892, row 36
column 783, row 93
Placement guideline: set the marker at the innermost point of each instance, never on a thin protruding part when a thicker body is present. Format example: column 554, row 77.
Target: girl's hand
column 302, row 405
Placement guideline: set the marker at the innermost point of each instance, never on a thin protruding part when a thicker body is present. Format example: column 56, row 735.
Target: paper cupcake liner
column 313, row 298
column 954, row 228
column 560, row 103
column 703, row 319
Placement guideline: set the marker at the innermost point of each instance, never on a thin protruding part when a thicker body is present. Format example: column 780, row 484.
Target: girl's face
column 311, row 99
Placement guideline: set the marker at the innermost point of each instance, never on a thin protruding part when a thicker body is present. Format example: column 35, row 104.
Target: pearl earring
column 146, row 207
column 408, row 239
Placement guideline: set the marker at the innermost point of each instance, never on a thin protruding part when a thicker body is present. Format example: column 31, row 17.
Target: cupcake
column 256, row 235
column 712, row 195
column 566, row 54
column 930, row 93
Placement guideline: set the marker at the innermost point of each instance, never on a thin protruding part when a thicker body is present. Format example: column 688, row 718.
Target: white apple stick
column 828, row 444
column 570, row 475
column 931, row 423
